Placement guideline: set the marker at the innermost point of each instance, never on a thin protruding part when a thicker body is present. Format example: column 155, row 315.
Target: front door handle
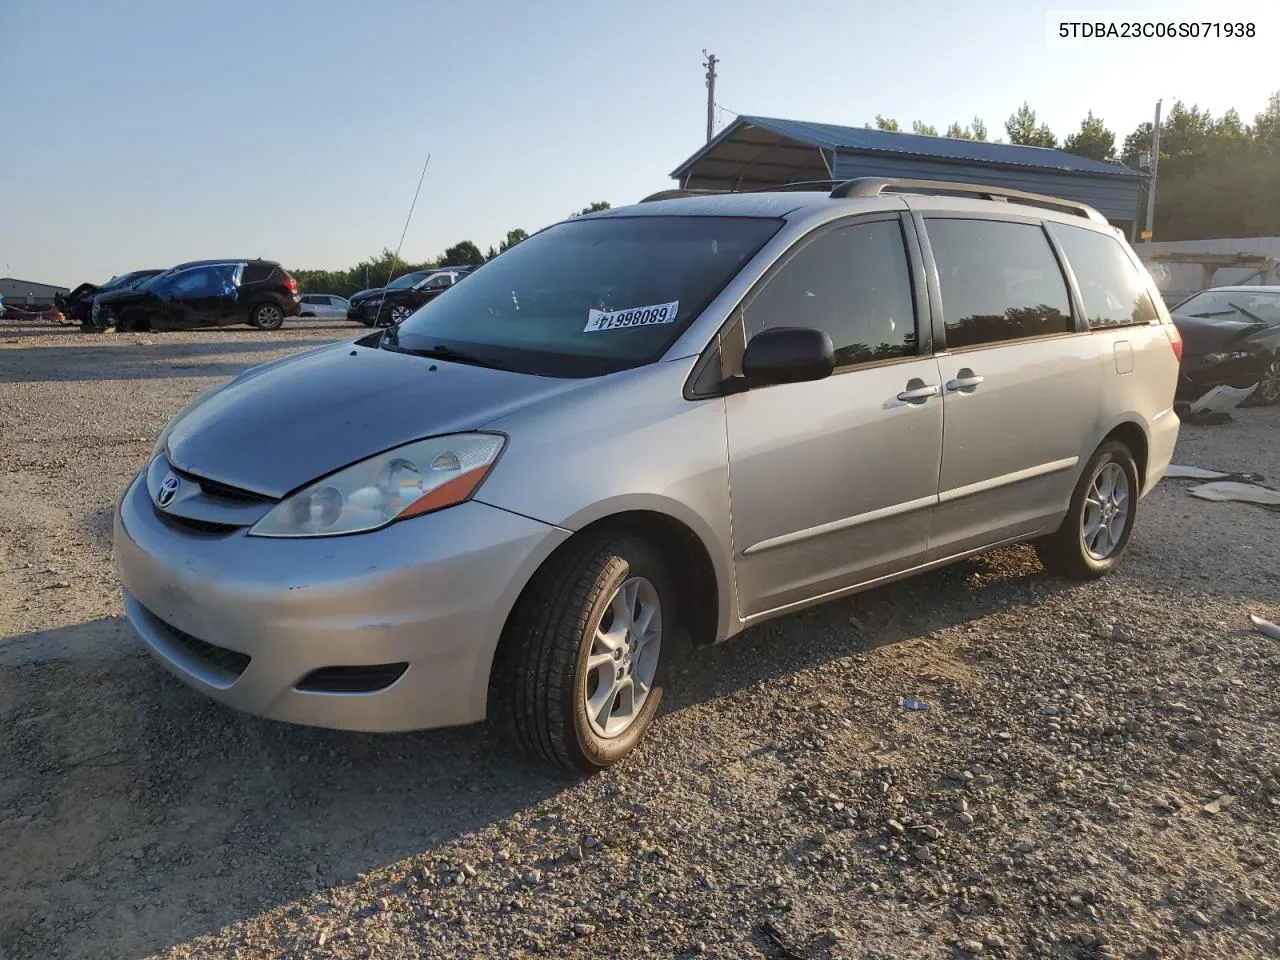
column 918, row 391
column 966, row 380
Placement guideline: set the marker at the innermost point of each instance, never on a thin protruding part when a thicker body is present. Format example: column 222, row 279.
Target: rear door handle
column 965, row 379
column 918, row 391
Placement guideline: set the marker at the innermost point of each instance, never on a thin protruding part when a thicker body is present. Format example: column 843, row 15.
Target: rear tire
column 267, row 316
column 588, row 629
column 1095, row 532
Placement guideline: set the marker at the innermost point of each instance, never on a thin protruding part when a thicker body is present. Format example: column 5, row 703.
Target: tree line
column 378, row 270
column 1217, row 177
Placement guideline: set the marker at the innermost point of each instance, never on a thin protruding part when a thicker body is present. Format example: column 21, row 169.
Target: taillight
column 1175, row 339
column 291, row 285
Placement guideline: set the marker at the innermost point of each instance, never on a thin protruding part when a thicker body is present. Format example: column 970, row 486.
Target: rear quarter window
column 1113, row 292
column 256, row 272
column 999, row 281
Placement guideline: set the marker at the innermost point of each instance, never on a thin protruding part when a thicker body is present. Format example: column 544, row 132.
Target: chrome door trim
column 822, row 529
column 1030, row 473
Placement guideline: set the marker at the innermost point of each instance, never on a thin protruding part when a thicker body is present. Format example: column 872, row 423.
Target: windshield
column 408, row 280
column 588, row 297
column 1236, row 306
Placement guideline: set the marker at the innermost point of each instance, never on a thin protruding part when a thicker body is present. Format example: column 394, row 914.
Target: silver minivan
column 653, row 425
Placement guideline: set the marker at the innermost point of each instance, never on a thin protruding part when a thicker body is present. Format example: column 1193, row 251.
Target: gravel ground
column 1097, row 776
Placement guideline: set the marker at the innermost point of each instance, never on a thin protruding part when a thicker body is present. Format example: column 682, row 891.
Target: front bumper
column 1196, row 378
column 432, row 592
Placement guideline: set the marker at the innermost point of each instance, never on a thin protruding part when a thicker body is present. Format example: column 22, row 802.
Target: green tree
column 979, row 129
column 490, row 253
column 513, row 237
column 593, row 208
column 1093, row 140
column 976, row 131
column 465, row 252
column 1136, row 146
column 1023, row 129
column 923, row 129
column 885, row 123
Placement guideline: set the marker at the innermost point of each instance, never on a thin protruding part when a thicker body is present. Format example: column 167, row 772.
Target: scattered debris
column 1265, row 627
column 1221, row 399
column 1178, row 472
column 909, row 703
column 1222, row 491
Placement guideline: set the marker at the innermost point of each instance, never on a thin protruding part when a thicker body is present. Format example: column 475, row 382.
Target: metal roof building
column 28, row 293
column 755, row 152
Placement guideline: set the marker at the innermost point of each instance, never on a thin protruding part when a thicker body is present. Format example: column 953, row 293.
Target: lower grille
column 366, row 679
column 200, row 526
column 220, row 658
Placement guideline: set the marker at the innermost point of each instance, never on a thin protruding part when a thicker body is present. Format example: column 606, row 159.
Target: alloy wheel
column 1106, row 511
column 1269, row 386
column 623, row 660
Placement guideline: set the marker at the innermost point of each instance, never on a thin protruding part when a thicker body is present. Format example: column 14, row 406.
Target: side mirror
column 788, row 355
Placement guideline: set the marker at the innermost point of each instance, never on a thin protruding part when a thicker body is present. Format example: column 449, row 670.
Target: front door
column 1021, row 379
column 834, row 482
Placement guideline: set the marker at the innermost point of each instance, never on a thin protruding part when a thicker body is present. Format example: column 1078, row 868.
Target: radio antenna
column 396, row 257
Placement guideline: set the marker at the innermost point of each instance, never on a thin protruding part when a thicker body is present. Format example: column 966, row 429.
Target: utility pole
column 1155, row 166
column 710, row 64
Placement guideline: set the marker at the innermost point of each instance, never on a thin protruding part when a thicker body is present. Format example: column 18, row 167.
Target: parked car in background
column 78, row 304
column 203, row 293
column 662, row 423
column 1230, row 336
column 398, row 299
column 328, row 306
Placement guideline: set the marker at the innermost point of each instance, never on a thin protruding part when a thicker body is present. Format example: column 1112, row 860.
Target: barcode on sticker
column 598, row 320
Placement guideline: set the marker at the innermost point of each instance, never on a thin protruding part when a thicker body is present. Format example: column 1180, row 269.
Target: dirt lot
column 1097, row 776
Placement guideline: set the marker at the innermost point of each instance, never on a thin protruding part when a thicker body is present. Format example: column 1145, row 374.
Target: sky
column 140, row 133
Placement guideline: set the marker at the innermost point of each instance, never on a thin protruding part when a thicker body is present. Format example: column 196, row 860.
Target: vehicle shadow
column 129, row 782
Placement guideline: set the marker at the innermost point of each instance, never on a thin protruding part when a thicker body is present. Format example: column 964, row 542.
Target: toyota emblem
column 168, row 489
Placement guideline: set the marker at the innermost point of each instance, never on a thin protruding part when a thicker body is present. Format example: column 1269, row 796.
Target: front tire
column 399, row 314
column 1092, row 538
column 267, row 316
column 579, row 674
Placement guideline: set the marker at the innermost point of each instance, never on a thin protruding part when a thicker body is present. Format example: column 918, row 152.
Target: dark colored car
column 403, row 295
column 1231, row 336
column 78, row 304
column 203, row 293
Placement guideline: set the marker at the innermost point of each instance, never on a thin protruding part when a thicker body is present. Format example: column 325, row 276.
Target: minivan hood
column 284, row 424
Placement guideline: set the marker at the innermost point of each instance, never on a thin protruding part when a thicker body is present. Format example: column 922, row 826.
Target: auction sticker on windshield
column 598, row 320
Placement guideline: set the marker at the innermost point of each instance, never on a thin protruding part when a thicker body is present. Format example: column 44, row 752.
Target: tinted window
column 256, row 272
column 999, row 281
column 588, row 297
column 212, row 281
column 1113, row 292
column 852, row 282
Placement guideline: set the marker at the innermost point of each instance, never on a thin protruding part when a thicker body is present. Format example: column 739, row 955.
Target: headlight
column 1222, row 357
column 414, row 479
column 168, row 428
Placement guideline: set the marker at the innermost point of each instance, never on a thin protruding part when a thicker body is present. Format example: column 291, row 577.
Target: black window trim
column 1078, row 327
column 1077, row 296
column 721, row 359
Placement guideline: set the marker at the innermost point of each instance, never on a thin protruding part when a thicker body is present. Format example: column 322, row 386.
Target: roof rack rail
column 680, row 194
column 875, row 186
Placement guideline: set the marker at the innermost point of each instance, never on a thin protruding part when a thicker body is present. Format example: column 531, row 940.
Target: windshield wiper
column 1248, row 313
column 1214, row 313
column 441, row 352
